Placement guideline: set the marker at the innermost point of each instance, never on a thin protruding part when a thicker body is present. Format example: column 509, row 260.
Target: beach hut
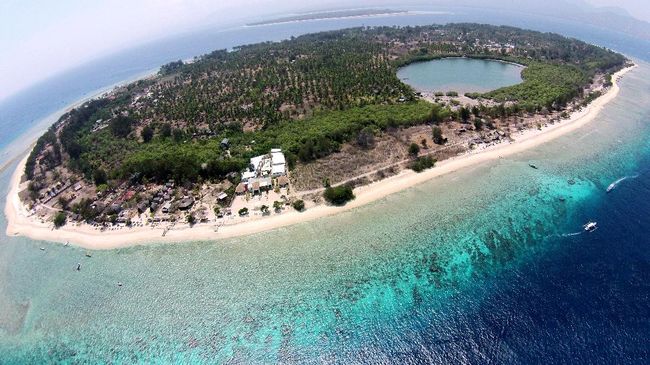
column 186, row 203
column 240, row 189
column 222, row 196
column 283, row 181
column 255, row 187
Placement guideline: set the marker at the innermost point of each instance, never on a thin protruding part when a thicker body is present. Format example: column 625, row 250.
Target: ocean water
column 462, row 75
column 486, row 265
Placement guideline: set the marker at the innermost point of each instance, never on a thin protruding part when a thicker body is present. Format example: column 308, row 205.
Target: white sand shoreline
column 377, row 15
column 20, row 223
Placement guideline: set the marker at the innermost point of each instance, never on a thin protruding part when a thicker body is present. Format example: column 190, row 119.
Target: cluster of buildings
column 261, row 171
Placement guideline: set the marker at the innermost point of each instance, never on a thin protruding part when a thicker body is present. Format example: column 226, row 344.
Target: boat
column 590, row 227
column 88, row 254
column 611, row 187
column 533, row 166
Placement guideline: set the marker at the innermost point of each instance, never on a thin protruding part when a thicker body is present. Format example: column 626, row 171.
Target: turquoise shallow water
column 437, row 273
column 462, row 75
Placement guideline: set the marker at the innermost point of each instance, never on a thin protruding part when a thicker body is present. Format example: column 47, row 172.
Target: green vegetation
column 59, row 219
column 265, row 209
column 338, row 195
column 544, row 85
column 307, row 95
column 422, row 163
column 414, row 149
column 299, row 205
column 146, row 134
column 190, row 219
column 437, row 135
column 121, row 126
column 366, row 138
column 277, row 205
column 171, row 67
column 243, row 211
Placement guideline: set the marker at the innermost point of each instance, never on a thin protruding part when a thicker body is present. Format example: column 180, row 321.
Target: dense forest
column 307, row 95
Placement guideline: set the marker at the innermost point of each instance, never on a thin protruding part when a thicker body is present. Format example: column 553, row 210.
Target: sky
column 40, row 38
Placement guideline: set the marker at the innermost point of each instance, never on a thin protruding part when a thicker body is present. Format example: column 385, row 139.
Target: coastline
column 377, row 15
column 20, row 223
column 23, row 144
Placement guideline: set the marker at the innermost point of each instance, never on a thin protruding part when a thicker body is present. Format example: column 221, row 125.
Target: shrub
column 165, row 130
column 100, row 177
column 338, row 195
column 414, row 149
column 422, row 163
column 147, row 134
column 121, row 126
column 366, row 138
column 437, row 135
column 59, row 219
column 299, row 205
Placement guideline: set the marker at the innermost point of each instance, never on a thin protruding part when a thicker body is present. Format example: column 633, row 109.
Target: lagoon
column 460, row 74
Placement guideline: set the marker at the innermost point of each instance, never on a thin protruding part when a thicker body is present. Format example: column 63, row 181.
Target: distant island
column 330, row 15
column 292, row 128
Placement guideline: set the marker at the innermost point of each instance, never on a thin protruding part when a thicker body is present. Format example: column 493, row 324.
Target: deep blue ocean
column 487, row 265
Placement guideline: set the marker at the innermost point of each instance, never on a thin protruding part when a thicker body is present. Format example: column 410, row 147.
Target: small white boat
column 590, row 227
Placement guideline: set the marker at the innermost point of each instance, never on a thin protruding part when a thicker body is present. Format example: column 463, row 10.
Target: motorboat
column 590, row 227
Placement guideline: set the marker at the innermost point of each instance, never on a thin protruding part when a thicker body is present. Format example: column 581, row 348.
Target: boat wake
column 613, row 185
column 564, row 235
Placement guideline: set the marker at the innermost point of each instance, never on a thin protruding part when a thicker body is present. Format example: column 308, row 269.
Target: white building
column 278, row 167
column 273, row 165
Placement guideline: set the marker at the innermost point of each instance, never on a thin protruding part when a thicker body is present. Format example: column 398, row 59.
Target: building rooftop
column 241, row 188
column 278, row 158
column 278, row 170
column 283, row 180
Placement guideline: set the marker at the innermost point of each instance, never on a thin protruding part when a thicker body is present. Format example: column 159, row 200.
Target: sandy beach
column 21, row 223
column 378, row 15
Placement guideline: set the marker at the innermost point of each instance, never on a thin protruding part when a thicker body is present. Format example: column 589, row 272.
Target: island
column 262, row 136
column 335, row 14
